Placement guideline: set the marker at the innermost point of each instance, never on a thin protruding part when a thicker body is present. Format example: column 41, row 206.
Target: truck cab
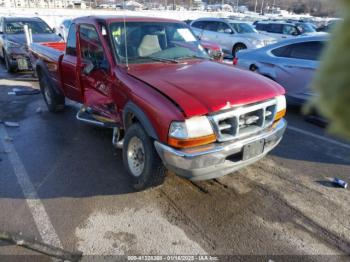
column 168, row 103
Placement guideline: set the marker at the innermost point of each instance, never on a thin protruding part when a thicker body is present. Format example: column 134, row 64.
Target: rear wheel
column 141, row 159
column 237, row 48
column 55, row 102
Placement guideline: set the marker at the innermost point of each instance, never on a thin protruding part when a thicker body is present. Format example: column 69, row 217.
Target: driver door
column 95, row 76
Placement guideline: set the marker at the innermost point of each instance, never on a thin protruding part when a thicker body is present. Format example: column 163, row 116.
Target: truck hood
column 202, row 87
column 21, row 39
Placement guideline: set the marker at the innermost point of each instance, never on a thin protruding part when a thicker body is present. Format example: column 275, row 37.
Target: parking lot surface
column 62, row 182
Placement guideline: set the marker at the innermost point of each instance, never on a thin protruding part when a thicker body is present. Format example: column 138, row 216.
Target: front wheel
column 141, row 159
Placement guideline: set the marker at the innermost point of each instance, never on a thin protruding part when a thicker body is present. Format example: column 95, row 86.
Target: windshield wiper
column 191, row 56
column 161, row 59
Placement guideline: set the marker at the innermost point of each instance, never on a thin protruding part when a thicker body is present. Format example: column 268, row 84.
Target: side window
column 211, row 26
column 275, row 28
column 71, row 48
column 1, row 23
column 90, row 45
column 281, row 51
column 223, row 28
column 199, row 24
column 290, row 30
column 307, row 51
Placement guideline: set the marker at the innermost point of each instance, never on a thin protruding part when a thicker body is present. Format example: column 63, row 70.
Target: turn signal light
column 191, row 142
column 280, row 115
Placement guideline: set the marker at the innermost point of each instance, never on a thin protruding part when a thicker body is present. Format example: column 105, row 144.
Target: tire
column 9, row 68
column 141, row 160
column 55, row 102
column 237, row 48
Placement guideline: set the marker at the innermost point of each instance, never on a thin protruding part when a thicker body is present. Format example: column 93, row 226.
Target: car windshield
column 17, row 27
column 306, row 28
column 154, row 42
column 243, row 28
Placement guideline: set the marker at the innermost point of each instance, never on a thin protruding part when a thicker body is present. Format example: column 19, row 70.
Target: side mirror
column 295, row 33
column 54, row 30
column 228, row 31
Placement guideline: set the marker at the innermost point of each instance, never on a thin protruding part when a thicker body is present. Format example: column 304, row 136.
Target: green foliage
column 333, row 78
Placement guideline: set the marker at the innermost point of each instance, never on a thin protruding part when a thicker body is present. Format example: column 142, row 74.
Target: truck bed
column 50, row 53
column 50, row 50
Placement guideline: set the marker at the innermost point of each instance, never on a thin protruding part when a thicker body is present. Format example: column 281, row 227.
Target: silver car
column 291, row 63
column 231, row 35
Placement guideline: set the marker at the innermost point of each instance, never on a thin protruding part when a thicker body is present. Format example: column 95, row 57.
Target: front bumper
column 218, row 159
column 19, row 59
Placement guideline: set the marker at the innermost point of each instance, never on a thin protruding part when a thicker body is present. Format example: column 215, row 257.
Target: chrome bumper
column 218, row 159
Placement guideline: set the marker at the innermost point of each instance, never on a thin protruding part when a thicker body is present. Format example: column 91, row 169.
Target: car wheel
column 9, row 67
column 238, row 48
column 141, row 159
column 54, row 101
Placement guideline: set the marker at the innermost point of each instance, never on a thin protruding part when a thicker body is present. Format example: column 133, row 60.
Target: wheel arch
column 132, row 113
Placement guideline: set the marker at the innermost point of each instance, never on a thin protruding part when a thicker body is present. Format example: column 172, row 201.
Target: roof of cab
column 119, row 18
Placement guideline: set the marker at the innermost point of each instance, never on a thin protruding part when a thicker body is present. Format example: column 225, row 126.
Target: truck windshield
column 17, row 27
column 151, row 42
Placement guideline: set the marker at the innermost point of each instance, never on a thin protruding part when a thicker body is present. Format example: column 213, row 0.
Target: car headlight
column 192, row 132
column 258, row 43
column 281, row 107
column 11, row 44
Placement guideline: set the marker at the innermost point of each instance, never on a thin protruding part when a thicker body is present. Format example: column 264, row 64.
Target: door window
column 211, row 26
column 263, row 27
column 307, row 51
column 223, row 28
column 290, row 30
column 71, row 48
column 275, row 28
column 199, row 24
column 91, row 48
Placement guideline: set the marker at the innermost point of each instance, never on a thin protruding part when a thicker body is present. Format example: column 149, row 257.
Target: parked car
column 13, row 42
column 162, row 96
column 282, row 30
column 328, row 27
column 231, row 35
column 291, row 63
column 63, row 28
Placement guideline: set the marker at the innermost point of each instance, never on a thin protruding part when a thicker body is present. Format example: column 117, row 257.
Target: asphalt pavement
column 63, row 183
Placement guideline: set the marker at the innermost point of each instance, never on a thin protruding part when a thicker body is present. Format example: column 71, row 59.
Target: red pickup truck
column 168, row 103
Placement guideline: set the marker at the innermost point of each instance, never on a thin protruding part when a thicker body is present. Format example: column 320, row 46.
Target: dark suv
column 13, row 42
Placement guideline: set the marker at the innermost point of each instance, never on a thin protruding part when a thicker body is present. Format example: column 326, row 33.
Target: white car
column 231, row 35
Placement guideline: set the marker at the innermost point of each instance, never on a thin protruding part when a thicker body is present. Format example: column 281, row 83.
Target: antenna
column 125, row 36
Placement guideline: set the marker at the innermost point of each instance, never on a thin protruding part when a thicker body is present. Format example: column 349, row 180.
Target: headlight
column 281, row 107
column 192, row 132
column 258, row 43
column 11, row 44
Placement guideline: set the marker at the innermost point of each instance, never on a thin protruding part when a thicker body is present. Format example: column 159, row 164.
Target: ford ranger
column 167, row 102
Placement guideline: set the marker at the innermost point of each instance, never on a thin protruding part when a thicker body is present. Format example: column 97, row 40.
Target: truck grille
column 243, row 121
